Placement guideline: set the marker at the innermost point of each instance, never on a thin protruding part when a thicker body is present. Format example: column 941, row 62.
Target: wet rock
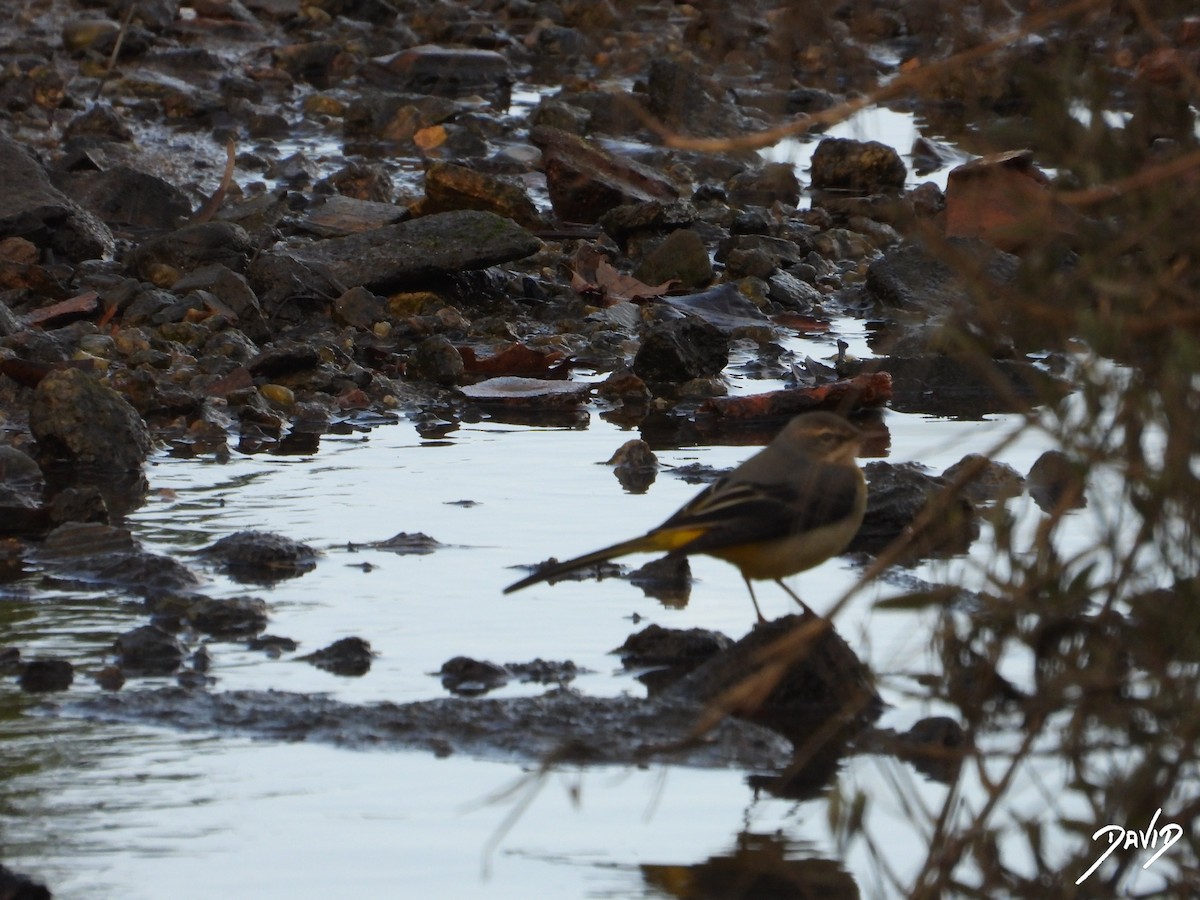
column 224, row 291
column 863, row 391
column 1006, row 200
column 46, row 675
column 687, row 101
column 658, row 646
column 513, row 391
column 445, row 72
column 261, row 556
column 165, row 258
column 585, row 181
column 864, row 167
column 32, row 208
column 284, row 359
column 125, row 196
column 432, row 245
column 667, row 579
column 18, row 469
column 273, row 645
column 358, row 308
column 635, row 466
column 896, row 496
column 349, row 656
column 148, row 650
column 14, row 886
column 76, row 419
column 435, row 359
column 110, row 678
column 1056, row 482
column 987, row 481
column 472, row 677
column 360, row 181
column 779, row 252
column 607, row 730
column 765, row 185
column 450, row 187
column 911, row 277
column 98, row 124
column 338, row 216
column 824, row 681
column 622, row 222
column 404, row 543
column 681, row 257
column 86, row 540
column 229, row 618
column 968, row 388
column 680, row 350
column 724, row 307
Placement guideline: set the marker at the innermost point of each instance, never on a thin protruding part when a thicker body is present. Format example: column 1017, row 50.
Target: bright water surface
column 102, row 811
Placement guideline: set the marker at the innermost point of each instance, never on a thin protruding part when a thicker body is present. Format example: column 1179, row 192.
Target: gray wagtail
column 791, row 506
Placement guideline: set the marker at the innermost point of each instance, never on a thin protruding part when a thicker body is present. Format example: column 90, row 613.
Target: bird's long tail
column 655, row 541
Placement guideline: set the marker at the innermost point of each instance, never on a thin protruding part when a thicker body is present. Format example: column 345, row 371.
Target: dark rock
column 658, row 646
column 585, row 181
column 793, row 294
column 910, row 277
column 450, row 187
column 14, row 886
column 110, row 678
column 338, row 216
column 227, row 290
column 84, row 503
column 824, row 682
column 601, row 730
column 667, row 579
column 18, row 470
column 685, row 100
column 680, row 350
column 681, row 257
column 229, row 618
column 148, row 650
column 772, row 183
column 472, row 677
column 261, row 556
column 621, row 222
column 445, row 72
column 405, row 543
column 896, row 496
column 419, row 249
column 987, row 481
column 284, row 359
column 358, row 308
column 46, row 675
column 77, row 419
column 100, row 122
column 163, row 259
column 968, row 388
column 86, row 540
column 864, row 167
column 274, row 645
column 349, row 656
column 124, row 196
column 635, row 466
column 780, row 251
column 1057, row 482
column 360, row 181
column 435, row 359
column 32, row 208
column 724, row 307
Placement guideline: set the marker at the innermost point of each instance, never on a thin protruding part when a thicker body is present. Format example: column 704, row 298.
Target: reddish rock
column 585, row 181
column 1006, row 200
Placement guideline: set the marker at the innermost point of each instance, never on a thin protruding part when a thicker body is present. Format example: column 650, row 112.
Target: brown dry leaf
column 515, row 359
column 619, row 287
column 428, row 138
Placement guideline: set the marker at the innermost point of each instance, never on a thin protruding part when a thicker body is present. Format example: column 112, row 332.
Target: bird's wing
column 731, row 512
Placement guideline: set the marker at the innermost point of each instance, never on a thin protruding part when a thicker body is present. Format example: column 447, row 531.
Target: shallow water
column 101, row 810
column 119, row 811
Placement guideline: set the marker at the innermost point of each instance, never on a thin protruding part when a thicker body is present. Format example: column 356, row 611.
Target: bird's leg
column 792, row 594
column 754, row 600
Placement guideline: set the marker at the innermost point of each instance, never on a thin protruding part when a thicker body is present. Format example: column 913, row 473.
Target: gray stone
column 411, row 251
column 74, row 417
